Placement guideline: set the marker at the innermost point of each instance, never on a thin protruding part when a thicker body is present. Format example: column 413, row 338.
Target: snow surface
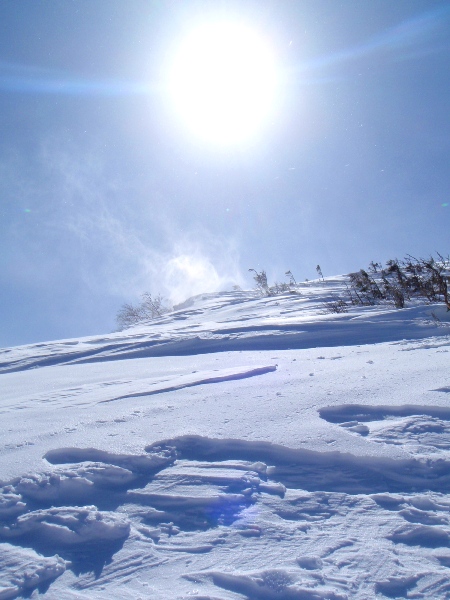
column 238, row 447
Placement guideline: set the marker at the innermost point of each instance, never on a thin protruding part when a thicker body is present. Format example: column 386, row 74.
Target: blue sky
column 104, row 194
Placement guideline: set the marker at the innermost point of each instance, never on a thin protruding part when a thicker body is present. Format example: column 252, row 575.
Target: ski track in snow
column 223, row 518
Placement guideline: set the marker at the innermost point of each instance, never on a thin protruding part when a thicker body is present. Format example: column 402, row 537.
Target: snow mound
column 147, row 463
column 66, row 526
column 275, row 584
column 23, row 570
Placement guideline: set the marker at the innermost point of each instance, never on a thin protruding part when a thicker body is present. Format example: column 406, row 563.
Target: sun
column 222, row 82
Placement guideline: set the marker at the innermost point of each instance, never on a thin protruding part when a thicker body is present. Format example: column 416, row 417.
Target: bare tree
column 319, row 272
column 127, row 316
column 402, row 280
column 292, row 281
column 153, row 307
column 150, row 308
column 261, row 282
column 336, row 305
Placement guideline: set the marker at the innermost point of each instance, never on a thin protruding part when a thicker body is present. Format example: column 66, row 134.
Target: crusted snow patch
column 11, row 503
column 274, row 584
column 421, row 535
column 23, row 570
column 395, row 587
column 74, row 483
column 66, row 526
column 147, row 463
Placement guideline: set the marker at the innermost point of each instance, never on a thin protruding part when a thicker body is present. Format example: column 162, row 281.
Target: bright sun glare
column 223, row 82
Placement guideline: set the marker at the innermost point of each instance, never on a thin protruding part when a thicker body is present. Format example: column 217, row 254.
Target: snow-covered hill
column 238, row 447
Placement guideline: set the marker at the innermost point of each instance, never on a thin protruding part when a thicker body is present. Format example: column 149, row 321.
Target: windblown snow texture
column 239, row 447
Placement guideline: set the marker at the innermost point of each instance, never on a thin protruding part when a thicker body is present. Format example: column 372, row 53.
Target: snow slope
column 239, row 447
